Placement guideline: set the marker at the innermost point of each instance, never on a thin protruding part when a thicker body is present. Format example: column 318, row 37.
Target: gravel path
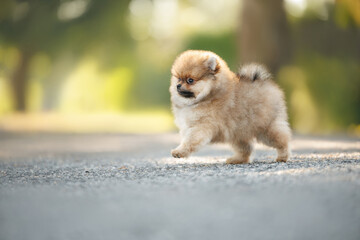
column 110, row 186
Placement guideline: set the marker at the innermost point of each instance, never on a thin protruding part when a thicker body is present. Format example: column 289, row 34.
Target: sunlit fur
column 227, row 107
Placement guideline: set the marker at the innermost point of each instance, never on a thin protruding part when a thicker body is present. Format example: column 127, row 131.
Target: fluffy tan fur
column 212, row 104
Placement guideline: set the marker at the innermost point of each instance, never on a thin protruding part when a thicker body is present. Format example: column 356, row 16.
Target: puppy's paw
column 282, row 159
column 237, row 160
column 179, row 153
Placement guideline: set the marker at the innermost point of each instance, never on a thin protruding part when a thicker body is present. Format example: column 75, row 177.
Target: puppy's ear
column 212, row 63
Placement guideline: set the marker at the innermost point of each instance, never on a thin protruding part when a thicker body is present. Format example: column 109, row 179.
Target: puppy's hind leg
column 278, row 136
column 243, row 151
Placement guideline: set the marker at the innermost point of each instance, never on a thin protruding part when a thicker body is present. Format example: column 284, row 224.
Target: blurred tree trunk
column 20, row 80
column 263, row 35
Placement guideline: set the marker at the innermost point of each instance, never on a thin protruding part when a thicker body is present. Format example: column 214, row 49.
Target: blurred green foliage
column 223, row 44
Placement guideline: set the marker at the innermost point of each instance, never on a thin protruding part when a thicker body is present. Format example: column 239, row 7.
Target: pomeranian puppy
column 211, row 104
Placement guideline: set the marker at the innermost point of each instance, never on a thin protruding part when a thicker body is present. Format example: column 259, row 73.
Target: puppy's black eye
column 190, row 80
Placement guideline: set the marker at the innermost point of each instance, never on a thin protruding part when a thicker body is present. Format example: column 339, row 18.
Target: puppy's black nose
column 178, row 86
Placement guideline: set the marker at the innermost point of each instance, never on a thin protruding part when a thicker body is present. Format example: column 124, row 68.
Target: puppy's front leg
column 192, row 141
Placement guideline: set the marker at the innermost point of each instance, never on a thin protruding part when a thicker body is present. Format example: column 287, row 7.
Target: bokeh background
column 104, row 65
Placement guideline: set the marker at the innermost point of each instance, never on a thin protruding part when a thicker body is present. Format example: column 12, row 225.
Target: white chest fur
column 184, row 117
column 181, row 117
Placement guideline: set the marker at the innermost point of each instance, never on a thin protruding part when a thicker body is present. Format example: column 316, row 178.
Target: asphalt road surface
column 113, row 186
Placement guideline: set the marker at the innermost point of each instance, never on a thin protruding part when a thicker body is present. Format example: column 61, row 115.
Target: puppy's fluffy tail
column 253, row 72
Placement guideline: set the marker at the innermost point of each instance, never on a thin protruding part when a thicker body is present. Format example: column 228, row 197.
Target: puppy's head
column 193, row 76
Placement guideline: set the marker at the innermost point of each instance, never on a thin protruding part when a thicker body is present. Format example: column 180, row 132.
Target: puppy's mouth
column 186, row 94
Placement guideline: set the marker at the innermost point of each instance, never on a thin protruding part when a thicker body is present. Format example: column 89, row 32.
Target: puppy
column 211, row 104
